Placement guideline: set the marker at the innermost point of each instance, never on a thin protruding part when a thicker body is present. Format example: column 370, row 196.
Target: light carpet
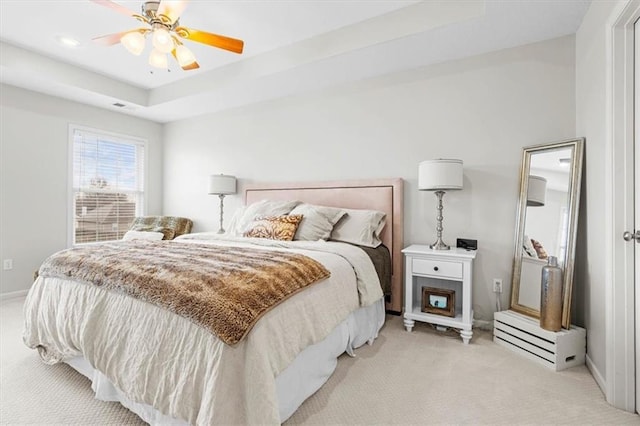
column 423, row 377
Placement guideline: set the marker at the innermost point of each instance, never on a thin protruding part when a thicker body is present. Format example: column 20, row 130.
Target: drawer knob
column 435, row 268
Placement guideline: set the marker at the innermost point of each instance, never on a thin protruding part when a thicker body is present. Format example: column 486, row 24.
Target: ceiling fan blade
column 192, row 66
column 222, row 42
column 111, row 39
column 172, row 9
column 115, row 6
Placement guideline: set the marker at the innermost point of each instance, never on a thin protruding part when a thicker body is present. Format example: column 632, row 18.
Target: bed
column 169, row 369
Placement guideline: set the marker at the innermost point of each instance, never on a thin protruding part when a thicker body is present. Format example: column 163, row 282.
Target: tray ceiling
column 291, row 47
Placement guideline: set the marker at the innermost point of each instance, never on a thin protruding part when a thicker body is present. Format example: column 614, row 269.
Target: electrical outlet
column 497, row 285
column 8, row 264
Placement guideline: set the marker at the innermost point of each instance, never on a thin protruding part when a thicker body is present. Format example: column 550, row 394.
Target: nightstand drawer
column 437, row 268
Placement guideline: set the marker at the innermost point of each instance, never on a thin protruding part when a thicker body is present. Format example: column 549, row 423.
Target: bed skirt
column 301, row 379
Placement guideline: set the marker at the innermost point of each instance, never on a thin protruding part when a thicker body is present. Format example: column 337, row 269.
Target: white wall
column 591, row 112
column 34, row 141
column 482, row 110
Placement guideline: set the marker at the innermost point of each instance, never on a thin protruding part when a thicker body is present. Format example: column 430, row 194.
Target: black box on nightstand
column 467, row 244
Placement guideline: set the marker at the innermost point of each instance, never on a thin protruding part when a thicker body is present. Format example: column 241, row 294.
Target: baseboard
column 596, row 375
column 13, row 295
column 483, row 324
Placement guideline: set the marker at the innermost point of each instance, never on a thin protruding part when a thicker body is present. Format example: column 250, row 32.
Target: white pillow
column 529, row 250
column 143, row 235
column 361, row 227
column 261, row 208
column 233, row 224
column 317, row 221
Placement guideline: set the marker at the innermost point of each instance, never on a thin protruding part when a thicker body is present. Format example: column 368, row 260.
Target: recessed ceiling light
column 68, row 41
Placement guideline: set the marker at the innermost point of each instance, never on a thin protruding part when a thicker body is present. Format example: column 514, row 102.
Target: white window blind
column 108, row 185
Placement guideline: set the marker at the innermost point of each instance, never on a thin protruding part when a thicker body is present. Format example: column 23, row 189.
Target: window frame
column 116, row 137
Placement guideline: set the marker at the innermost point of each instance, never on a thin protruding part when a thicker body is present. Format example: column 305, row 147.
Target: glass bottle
column 551, row 296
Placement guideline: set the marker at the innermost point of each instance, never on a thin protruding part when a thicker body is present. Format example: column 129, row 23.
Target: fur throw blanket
column 224, row 289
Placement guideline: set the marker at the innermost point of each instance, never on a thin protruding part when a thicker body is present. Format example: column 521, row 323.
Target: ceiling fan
column 163, row 20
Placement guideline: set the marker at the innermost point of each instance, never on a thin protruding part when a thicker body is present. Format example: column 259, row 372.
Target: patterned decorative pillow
column 167, row 232
column 274, row 227
column 542, row 253
column 260, row 208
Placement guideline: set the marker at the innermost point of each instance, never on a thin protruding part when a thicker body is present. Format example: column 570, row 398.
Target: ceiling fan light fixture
column 158, row 59
column 184, row 56
column 162, row 40
column 161, row 19
column 133, row 42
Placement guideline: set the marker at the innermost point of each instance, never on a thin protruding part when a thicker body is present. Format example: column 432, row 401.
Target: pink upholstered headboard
column 384, row 195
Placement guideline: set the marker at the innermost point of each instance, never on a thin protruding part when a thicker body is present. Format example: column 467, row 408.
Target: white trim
column 636, row 188
column 13, row 295
column 596, row 374
column 619, row 300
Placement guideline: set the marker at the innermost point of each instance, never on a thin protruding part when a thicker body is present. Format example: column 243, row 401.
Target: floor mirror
column 546, row 224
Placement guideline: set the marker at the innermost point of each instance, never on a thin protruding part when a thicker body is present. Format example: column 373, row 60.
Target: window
column 107, row 184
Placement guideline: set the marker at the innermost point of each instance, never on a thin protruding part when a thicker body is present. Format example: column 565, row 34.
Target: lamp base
column 221, row 196
column 439, row 245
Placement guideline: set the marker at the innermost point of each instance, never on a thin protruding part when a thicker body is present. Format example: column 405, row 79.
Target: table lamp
column 440, row 175
column 222, row 185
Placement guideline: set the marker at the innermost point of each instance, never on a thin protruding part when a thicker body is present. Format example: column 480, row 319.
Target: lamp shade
column 133, row 42
column 537, row 191
column 158, row 59
column 184, row 56
column 162, row 40
column 222, row 184
column 440, row 174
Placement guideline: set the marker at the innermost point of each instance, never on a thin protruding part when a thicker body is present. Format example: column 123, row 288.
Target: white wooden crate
column 555, row 350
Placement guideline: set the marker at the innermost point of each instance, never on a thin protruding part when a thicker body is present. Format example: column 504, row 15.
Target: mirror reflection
column 546, row 227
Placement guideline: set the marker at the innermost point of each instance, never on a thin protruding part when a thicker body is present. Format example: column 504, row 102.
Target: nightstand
column 441, row 269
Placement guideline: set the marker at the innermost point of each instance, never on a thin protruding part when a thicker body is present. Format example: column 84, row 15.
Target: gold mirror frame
column 575, row 177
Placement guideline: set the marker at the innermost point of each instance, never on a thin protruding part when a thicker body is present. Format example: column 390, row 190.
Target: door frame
column 619, row 292
column 636, row 255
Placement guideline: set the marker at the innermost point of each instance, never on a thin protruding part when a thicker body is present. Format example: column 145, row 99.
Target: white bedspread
column 161, row 359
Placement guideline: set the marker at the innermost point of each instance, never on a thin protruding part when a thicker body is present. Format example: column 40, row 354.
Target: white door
column 637, row 204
